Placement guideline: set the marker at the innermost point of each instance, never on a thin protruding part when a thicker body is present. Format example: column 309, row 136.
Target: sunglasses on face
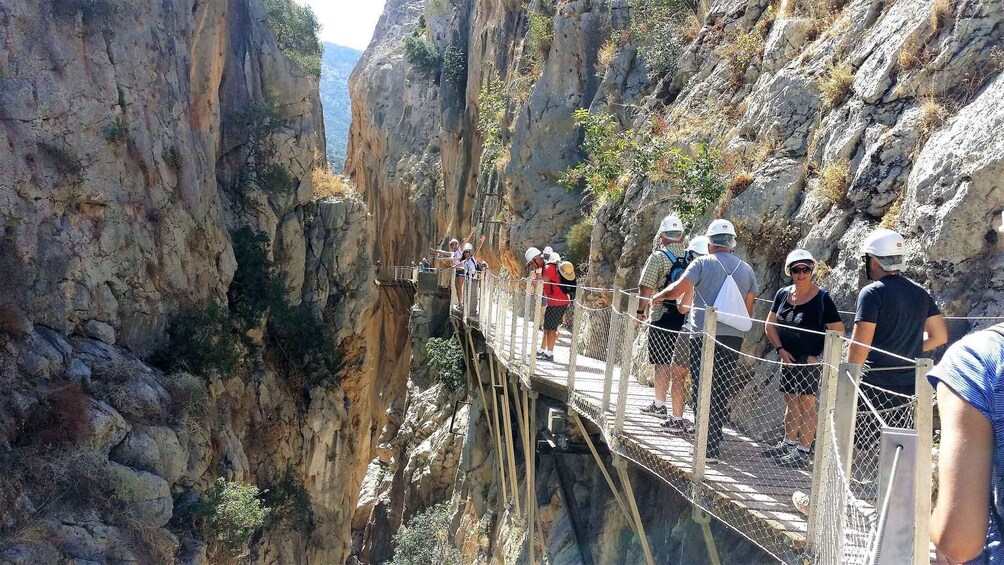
column 801, row 270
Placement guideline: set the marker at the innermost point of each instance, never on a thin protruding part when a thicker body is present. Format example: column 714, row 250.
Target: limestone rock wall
column 125, row 127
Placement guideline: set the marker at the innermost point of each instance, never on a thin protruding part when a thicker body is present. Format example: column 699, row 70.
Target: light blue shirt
column 974, row 369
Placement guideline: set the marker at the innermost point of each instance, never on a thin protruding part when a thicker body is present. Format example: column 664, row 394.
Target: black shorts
column 800, row 379
column 553, row 316
column 662, row 343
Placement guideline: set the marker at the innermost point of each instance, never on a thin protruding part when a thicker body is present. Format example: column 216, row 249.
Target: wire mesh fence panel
column 848, row 522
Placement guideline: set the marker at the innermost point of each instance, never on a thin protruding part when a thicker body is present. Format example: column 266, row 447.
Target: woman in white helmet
column 799, row 312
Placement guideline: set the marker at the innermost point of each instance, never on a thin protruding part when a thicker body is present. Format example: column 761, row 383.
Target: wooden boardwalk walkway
column 744, row 489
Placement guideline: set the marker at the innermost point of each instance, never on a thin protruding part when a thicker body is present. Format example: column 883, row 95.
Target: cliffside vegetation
column 296, row 27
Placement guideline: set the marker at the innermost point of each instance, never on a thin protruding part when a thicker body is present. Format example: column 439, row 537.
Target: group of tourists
column 893, row 315
column 682, row 278
column 461, row 259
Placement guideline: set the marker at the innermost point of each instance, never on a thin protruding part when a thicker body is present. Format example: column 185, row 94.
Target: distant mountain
column 336, row 66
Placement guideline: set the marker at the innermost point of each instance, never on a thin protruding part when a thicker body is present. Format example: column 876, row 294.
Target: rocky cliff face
column 823, row 120
column 140, row 139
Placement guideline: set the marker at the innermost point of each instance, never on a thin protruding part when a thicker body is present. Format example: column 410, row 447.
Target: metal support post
column 621, row 465
column 499, row 453
column 527, row 320
column 514, row 322
column 703, row 408
column 845, row 413
column 608, row 369
column 538, row 293
column 513, row 483
column 453, row 289
column 897, row 498
column 573, row 351
column 531, row 463
column 467, row 299
column 603, row 469
column 924, row 424
column 827, row 400
column 704, row 519
column 531, row 505
column 630, row 327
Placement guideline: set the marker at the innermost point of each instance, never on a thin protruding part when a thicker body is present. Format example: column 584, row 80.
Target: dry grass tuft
column 933, row 115
column 739, row 183
column 690, row 28
column 607, row 53
column 330, row 185
column 910, row 54
column 891, row 217
column 836, row 85
column 941, row 10
column 834, row 181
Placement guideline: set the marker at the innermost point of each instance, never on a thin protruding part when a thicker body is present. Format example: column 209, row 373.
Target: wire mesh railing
column 797, row 452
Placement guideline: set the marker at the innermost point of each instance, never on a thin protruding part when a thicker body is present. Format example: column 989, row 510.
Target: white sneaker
column 801, row 501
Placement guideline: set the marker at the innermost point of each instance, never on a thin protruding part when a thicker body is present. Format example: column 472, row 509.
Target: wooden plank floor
column 745, row 489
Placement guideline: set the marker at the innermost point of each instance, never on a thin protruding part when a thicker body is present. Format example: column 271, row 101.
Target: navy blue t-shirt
column 898, row 307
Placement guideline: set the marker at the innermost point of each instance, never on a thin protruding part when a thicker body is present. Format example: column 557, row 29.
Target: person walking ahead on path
column 893, row 314
column 967, row 518
column 728, row 283
column 801, row 306
column 664, row 266
column 557, row 302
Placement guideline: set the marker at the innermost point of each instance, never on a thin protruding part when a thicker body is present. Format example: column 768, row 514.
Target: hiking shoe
column 654, row 410
column 541, row 354
column 713, row 455
column 801, row 501
column 796, row 459
column 547, row 357
column 780, row 450
column 674, row 425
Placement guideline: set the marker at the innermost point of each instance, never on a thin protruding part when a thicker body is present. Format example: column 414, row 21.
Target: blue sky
column 347, row 22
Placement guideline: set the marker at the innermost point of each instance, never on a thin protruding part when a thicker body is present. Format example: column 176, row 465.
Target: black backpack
column 568, row 286
column 676, row 271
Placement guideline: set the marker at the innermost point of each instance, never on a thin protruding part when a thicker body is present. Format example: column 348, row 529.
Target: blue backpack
column 675, row 271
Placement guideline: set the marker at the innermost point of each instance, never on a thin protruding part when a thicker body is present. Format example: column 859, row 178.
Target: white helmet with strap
column 795, row 257
column 469, row 247
column 699, row 245
column 887, row 247
column 531, row 254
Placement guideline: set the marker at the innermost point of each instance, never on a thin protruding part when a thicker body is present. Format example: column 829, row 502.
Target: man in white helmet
column 666, row 350
column 728, row 283
column 893, row 314
column 555, row 299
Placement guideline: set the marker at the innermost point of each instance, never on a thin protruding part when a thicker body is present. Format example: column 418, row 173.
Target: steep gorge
column 181, row 302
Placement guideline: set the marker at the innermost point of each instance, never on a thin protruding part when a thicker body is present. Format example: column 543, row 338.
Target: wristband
column 640, row 312
column 778, row 349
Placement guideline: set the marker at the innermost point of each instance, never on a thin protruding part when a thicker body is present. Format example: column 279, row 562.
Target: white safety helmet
column 468, row 247
column 887, row 247
column 795, row 257
column 531, row 254
column 720, row 227
column 671, row 223
column 699, row 245
column 553, row 258
column 454, row 241
column 722, row 233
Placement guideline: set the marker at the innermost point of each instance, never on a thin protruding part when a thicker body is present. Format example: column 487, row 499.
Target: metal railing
column 865, row 479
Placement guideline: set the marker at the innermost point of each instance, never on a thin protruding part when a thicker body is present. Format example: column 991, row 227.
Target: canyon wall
column 159, row 182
